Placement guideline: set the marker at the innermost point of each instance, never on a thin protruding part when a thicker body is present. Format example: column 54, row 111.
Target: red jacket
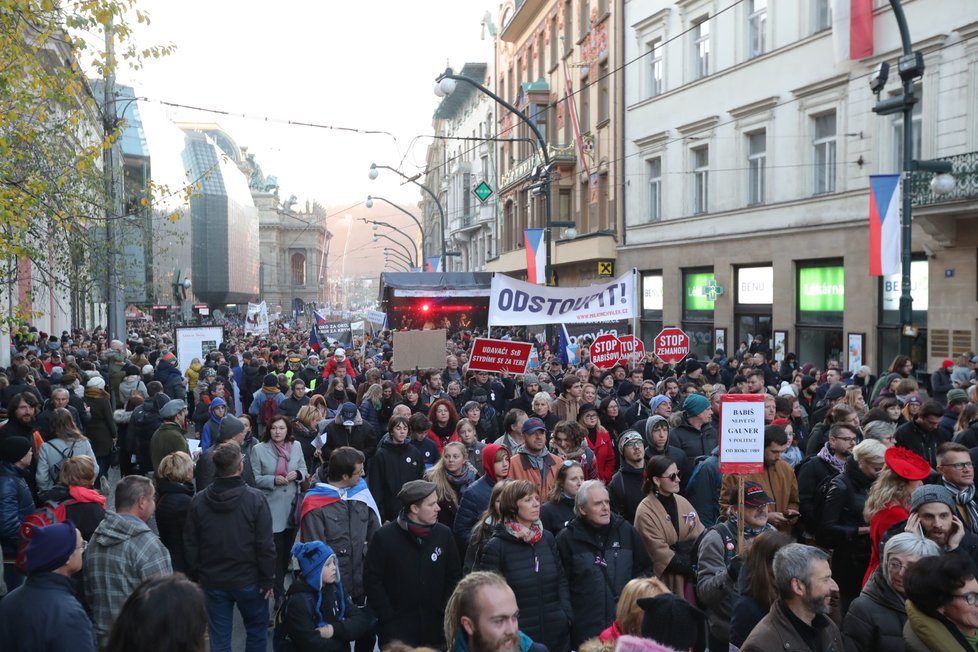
column 604, row 454
column 331, row 367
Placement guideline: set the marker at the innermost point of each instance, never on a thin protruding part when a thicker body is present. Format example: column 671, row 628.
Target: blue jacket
column 44, row 614
column 213, row 424
column 16, row 504
column 168, row 373
column 474, row 501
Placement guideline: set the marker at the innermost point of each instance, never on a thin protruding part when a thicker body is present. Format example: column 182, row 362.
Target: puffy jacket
column 228, row 537
column 535, row 574
column 16, row 504
column 172, row 504
column 811, row 474
column 874, row 622
column 302, row 621
column 213, row 424
column 595, row 589
column 474, row 501
column 392, row 466
column 695, row 443
column 360, row 436
column 168, row 374
column 842, row 516
column 556, row 515
column 44, row 614
column 371, row 416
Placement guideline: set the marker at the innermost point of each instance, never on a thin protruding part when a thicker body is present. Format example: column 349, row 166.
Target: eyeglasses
column 673, row 476
column 959, row 466
column 971, row 597
column 896, row 566
column 83, row 547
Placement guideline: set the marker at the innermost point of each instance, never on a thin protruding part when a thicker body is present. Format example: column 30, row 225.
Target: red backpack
column 269, row 410
column 52, row 512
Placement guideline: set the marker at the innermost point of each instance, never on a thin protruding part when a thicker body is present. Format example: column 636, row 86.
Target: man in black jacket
column 923, row 435
column 232, row 429
column 230, row 552
column 625, row 487
column 600, row 553
column 412, row 568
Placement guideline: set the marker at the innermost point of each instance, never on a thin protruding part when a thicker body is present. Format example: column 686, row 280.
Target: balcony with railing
column 558, row 154
column 964, row 169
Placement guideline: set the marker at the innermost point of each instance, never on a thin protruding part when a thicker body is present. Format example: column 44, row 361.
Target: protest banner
column 340, row 334
column 499, row 355
column 741, row 443
column 376, row 317
column 419, row 349
column 195, row 342
column 256, row 319
column 517, row 303
column 606, row 352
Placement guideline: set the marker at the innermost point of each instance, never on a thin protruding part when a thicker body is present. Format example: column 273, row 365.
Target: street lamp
column 376, row 236
column 399, row 255
column 370, row 204
column 910, row 66
column 375, row 223
column 373, row 173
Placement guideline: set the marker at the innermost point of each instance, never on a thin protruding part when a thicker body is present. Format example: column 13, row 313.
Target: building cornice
column 698, row 126
column 754, row 107
column 821, row 86
column 650, row 22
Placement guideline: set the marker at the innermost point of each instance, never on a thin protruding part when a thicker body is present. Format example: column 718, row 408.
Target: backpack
column 729, row 543
column 50, row 513
column 281, row 642
column 268, row 411
column 54, row 471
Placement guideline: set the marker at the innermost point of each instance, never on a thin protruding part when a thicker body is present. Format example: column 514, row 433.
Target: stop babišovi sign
column 606, row 351
column 671, row 345
column 632, row 348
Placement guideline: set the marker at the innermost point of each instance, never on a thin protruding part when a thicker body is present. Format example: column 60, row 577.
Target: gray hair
column 879, row 429
column 541, row 397
column 908, row 543
column 58, row 390
column 130, row 489
column 794, row 562
column 871, row 450
column 582, row 498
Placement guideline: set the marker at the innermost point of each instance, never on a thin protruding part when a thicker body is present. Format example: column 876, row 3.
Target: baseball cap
column 754, row 495
column 532, row 425
column 348, row 413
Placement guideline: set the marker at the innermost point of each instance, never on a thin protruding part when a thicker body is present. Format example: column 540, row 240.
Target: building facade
column 748, row 148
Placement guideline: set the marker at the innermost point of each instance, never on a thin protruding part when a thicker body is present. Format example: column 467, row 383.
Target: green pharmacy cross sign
column 483, row 192
column 712, row 290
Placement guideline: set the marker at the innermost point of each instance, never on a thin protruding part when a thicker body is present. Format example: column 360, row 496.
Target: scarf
column 415, row 529
column 530, row 535
column 749, row 532
column 966, row 497
column 444, row 432
column 535, row 459
column 284, row 452
column 86, row 495
column 827, row 456
column 271, row 390
column 463, row 479
column 577, row 454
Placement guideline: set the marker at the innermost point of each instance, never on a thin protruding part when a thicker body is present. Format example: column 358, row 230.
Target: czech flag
column 885, row 237
column 434, row 262
column 320, row 318
column 314, row 342
column 322, row 494
column 852, row 29
column 536, row 256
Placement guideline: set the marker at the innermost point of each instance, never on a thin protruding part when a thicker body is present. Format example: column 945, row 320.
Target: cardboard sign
column 499, row 355
column 742, row 433
column 419, row 349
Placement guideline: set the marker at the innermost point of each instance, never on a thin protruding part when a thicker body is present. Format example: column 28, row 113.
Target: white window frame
column 821, row 15
column 756, row 169
column 700, row 160
column 824, row 155
column 756, row 28
column 653, row 51
column 701, row 47
column 653, row 170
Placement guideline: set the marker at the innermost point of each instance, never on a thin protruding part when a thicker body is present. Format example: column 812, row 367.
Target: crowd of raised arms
column 336, row 501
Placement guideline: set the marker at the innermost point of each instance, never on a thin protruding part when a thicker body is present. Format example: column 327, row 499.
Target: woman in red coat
column 599, row 441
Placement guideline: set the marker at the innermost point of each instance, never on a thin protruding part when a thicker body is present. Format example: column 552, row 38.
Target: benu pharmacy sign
column 821, row 289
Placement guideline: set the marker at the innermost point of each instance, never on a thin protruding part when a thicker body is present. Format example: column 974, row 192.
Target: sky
column 366, row 65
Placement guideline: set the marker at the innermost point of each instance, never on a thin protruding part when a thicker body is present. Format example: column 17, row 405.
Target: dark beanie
column 671, row 621
column 50, row 547
column 271, row 380
column 230, row 426
column 12, row 449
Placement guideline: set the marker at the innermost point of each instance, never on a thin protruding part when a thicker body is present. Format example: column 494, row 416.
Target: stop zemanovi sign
column 605, row 351
column 671, row 345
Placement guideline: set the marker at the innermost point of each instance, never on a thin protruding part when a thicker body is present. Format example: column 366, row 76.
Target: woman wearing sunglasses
column 942, row 605
column 669, row 526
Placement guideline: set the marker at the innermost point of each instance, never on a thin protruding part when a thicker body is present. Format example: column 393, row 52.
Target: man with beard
column 958, row 474
column 482, row 616
column 815, row 471
column 20, row 423
column 932, row 514
column 798, row 619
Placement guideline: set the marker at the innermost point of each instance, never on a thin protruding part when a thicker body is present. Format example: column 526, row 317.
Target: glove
column 678, row 566
column 733, row 570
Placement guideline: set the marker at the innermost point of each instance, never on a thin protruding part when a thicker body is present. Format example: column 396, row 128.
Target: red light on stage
column 425, row 307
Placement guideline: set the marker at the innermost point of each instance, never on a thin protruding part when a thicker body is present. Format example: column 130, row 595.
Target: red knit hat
column 906, row 464
column 946, row 364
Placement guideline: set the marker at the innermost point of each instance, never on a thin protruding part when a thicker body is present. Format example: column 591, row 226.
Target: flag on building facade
column 885, row 237
column 434, row 262
column 852, row 29
column 536, row 256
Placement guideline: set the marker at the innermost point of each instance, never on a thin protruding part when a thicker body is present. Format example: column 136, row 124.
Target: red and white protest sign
column 742, row 433
column 671, row 345
column 499, row 355
column 606, row 351
column 632, row 349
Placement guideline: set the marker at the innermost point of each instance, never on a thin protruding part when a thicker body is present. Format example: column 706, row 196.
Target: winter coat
column 371, row 416
column 594, row 588
column 16, row 504
column 122, row 553
column 360, row 436
column 775, row 632
column 474, row 501
column 129, row 385
column 556, row 515
column 211, row 428
column 703, row 489
column 192, row 375
column 44, row 614
column 604, row 454
column 51, row 457
column 921, row 633
column 227, row 537
column 169, row 374
column 535, row 574
column 302, row 621
column 811, row 474
column 408, row 581
column 874, row 622
column 940, row 385
column 660, row 538
column 695, row 443
column 625, row 491
column 172, row 504
column 429, row 451
column 87, row 510
column 43, row 421
column 912, row 437
column 565, row 407
column 101, row 430
column 392, row 466
column 290, row 406
column 346, row 526
column 779, row 482
column 204, row 470
column 263, row 463
column 520, row 468
column 168, row 438
column 842, row 516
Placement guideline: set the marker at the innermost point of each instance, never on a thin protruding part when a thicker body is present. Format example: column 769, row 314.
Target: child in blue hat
column 317, row 615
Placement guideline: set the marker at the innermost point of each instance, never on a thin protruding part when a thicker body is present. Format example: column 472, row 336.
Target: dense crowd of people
column 336, row 501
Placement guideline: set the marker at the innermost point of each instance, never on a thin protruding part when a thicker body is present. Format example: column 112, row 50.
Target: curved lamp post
column 373, row 173
column 399, row 244
column 370, row 203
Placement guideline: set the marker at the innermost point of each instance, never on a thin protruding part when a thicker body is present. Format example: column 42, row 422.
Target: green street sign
column 483, row 191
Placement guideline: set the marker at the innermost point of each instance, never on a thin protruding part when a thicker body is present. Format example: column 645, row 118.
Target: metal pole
column 906, row 300
column 408, row 213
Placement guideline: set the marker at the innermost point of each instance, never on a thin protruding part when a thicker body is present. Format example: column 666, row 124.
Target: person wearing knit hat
column 17, row 503
column 317, row 614
column 53, row 555
column 941, row 383
column 934, row 515
column 957, row 401
column 269, row 391
column 695, row 434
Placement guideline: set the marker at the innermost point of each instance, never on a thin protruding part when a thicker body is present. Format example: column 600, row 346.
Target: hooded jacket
column 122, row 553
column 172, row 504
column 392, row 466
column 301, row 619
column 360, row 436
column 475, row 497
column 695, row 443
column 45, row 614
column 228, row 537
column 16, row 504
column 169, row 438
column 213, row 425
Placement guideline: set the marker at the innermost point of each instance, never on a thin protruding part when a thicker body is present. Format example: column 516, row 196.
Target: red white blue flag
column 536, row 256
column 852, row 29
column 885, row 238
column 322, row 494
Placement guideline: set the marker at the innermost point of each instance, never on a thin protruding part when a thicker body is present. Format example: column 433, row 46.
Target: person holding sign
column 669, row 526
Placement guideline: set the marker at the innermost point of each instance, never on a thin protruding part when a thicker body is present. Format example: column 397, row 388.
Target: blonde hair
column 77, row 471
column 309, row 415
column 871, row 450
column 888, row 489
column 628, row 614
column 438, row 474
column 177, row 467
column 464, row 602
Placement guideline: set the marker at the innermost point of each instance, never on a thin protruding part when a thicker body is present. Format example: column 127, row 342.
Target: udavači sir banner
column 517, row 303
